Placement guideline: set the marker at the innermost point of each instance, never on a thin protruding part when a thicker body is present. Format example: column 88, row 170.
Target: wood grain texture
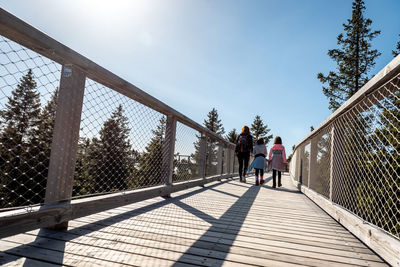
column 223, row 224
column 46, row 216
column 65, row 138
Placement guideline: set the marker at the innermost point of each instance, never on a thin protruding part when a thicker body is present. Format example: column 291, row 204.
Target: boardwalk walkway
column 223, row 224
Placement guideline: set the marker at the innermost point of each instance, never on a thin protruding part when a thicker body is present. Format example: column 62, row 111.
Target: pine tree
column 354, row 59
column 397, row 51
column 19, row 126
column 82, row 184
column 183, row 168
column 213, row 123
column 259, row 129
column 232, row 136
column 41, row 147
column 109, row 157
column 149, row 171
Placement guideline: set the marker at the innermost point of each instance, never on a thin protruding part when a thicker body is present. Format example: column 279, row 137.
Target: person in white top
column 259, row 152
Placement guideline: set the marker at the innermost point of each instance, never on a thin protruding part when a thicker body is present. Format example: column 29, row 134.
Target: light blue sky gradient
column 242, row 57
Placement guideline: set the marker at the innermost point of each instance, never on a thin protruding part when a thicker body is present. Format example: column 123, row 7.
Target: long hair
column 245, row 130
column 277, row 140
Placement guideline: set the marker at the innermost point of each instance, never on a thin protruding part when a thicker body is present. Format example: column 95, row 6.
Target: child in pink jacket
column 277, row 160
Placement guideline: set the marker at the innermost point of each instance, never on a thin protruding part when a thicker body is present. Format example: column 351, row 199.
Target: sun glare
column 114, row 10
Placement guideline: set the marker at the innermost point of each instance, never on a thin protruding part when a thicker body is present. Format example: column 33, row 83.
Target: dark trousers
column 274, row 178
column 243, row 158
column 259, row 171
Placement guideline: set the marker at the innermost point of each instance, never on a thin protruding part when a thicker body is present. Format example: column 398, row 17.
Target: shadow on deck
column 223, row 224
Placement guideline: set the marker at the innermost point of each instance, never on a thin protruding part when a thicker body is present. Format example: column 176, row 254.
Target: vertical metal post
column 168, row 151
column 219, row 160
column 312, row 168
column 202, row 156
column 65, row 137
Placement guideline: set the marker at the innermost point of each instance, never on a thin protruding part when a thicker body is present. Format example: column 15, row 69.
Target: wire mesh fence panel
column 320, row 178
column 186, row 155
column 304, row 163
column 297, row 168
column 211, row 156
column 28, row 100
column 226, row 161
column 235, row 163
column 120, row 145
column 368, row 183
column 293, row 166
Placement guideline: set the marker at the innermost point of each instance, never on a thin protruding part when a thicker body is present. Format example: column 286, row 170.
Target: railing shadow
column 33, row 248
column 244, row 203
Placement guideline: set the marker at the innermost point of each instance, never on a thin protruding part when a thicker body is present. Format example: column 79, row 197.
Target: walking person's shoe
column 261, row 180
column 279, row 185
column 274, row 186
column 257, row 183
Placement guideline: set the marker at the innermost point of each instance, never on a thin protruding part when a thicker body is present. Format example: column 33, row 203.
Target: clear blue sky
column 242, row 57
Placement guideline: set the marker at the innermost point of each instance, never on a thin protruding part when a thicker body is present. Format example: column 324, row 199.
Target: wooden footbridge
column 225, row 223
column 95, row 199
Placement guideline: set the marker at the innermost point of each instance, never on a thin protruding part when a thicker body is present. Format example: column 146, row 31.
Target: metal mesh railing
column 211, row 156
column 28, row 98
column 186, row 165
column 121, row 143
column 320, row 178
column 126, row 137
column 362, row 173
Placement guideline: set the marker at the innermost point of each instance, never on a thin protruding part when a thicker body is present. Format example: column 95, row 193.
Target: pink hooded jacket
column 277, row 158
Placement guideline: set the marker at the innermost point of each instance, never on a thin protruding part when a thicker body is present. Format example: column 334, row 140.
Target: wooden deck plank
column 180, row 231
column 278, row 222
column 223, row 224
column 227, row 231
column 8, row 260
column 263, row 246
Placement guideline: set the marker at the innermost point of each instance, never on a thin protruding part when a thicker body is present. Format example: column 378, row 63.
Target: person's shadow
column 236, row 214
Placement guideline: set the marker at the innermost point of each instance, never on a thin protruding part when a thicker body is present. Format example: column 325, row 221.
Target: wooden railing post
column 168, row 151
column 219, row 160
column 312, row 168
column 202, row 156
column 65, row 137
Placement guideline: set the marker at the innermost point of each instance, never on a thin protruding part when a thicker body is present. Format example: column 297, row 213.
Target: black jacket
column 249, row 147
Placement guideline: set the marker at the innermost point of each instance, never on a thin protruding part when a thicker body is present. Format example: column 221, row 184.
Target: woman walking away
column 260, row 152
column 277, row 160
column 244, row 145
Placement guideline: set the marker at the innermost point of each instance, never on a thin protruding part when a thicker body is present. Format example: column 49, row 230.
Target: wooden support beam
column 220, row 159
column 168, row 151
column 202, row 155
column 65, row 138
